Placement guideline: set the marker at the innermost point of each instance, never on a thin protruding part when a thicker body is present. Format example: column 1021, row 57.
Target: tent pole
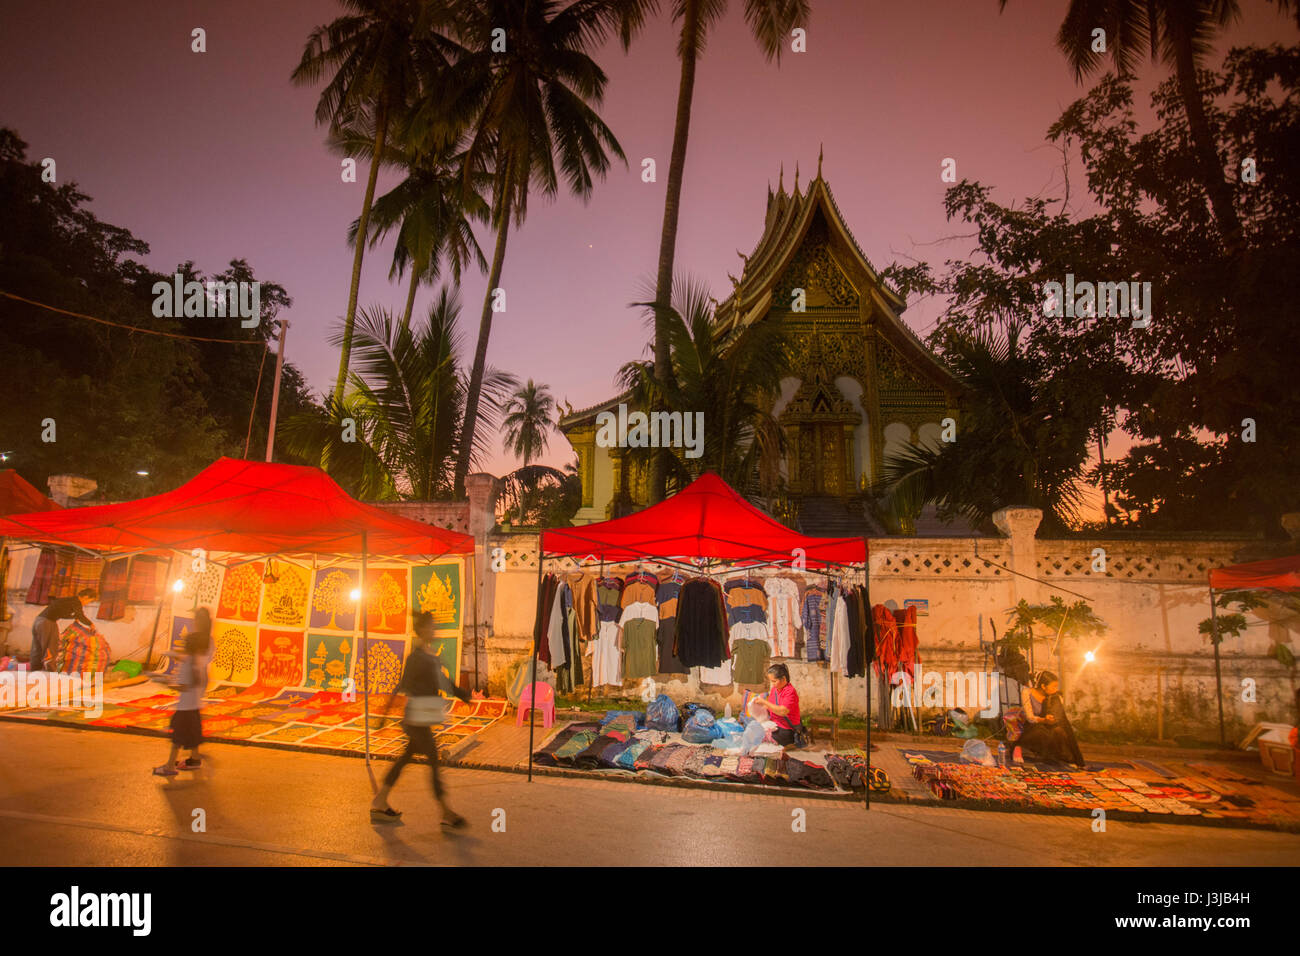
column 532, row 684
column 157, row 614
column 1218, row 672
column 473, row 578
column 870, row 635
column 365, row 647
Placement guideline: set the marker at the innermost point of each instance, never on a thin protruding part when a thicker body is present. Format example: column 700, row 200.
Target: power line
column 132, row 328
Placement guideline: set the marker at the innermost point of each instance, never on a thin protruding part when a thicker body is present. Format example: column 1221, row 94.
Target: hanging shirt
column 813, row 615
column 584, row 604
column 667, row 594
column 557, row 628
column 609, row 599
column 838, row 618
column 783, row 614
column 640, row 586
column 700, row 625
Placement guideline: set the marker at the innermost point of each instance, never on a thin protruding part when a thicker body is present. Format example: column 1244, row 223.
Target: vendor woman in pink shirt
column 782, row 702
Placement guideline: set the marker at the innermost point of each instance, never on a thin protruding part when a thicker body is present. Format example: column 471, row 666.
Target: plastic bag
column 754, row 734
column 662, row 714
column 701, row 729
column 977, row 751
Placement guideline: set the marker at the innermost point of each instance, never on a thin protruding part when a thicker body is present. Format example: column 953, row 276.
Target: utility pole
column 275, row 390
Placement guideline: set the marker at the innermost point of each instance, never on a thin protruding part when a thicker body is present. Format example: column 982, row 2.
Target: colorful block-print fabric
column 329, row 660
column 176, row 644
column 332, row 606
column 285, row 596
column 235, row 657
column 241, row 592
column 198, row 588
column 436, row 589
column 379, row 664
column 386, row 600
column 279, row 658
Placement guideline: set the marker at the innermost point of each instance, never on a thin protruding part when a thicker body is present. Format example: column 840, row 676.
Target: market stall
column 310, row 591
column 1274, row 574
column 17, row 496
column 688, row 620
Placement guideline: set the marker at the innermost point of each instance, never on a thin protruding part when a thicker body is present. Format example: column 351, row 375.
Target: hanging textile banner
column 332, row 605
column 284, row 599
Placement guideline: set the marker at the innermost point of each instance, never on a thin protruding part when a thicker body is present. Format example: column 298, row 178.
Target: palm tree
column 528, row 107
column 732, row 382
column 378, row 58
column 1020, row 443
column 431, row 209
column 1180, row 33
column 770, row 21
column 528, row 417
column 406, row 401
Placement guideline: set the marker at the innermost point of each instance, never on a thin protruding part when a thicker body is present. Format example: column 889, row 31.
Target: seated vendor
column 782, row 702
column 1047, row 732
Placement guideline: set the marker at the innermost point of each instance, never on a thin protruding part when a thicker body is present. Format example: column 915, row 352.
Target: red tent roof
column 1281, row 573
column 706, row 519
column 18, row 496
column 243, row 506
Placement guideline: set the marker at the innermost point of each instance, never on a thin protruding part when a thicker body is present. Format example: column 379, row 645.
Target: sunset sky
column 217, row 155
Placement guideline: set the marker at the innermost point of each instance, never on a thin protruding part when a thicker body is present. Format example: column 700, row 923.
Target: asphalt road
column 76, row 797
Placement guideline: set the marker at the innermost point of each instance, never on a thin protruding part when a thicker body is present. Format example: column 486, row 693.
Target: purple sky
column 216, row 155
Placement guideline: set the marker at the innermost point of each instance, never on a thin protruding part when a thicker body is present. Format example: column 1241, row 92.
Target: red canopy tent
column 244, row 506
column 707, row 519
column 248, row 507
column 18, row 496
column 1274, row 574
column 1282, row 574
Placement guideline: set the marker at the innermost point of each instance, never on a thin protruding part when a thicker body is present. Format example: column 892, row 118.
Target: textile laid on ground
column 1131, row 789
column 299, row 716
column 617, row 745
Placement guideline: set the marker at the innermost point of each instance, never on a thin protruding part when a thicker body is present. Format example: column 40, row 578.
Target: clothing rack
column 707, row 567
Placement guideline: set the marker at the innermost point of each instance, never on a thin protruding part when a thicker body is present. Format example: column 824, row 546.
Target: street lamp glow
column 1089, row 657
column 143, row 474
column 356, row 594
column 178, row 585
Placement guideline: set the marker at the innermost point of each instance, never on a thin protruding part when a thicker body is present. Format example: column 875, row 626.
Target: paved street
column 86, row 798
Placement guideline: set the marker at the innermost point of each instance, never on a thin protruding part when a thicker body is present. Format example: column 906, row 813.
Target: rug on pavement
column 1134, row 790
column 305, row 717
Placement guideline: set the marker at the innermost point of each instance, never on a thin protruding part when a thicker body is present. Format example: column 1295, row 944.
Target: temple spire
column 780, row 183
column 821, row 147
column 796, row 177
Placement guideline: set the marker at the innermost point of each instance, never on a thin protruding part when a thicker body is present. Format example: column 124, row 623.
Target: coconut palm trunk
column 363, row 224
column 668, row 237
column 480, row 352
column 1220, row 193
column 410, row 297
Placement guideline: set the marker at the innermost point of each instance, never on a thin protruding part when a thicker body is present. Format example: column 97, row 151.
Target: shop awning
column 241, row 506
column 706, row 519
column 1278, row 573
column 19, row 496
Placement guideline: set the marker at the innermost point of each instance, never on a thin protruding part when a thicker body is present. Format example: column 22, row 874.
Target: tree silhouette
column 243, row 586
column 234, row 648
column 330, row 595
column 387, row 597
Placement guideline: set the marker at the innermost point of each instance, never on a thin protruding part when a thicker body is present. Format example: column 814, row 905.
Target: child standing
column 187, row 724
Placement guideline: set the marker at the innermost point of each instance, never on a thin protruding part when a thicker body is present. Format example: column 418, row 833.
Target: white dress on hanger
column 782, row 614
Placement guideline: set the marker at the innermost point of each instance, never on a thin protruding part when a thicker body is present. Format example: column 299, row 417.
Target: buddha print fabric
column 285, row 596
column 436, row 589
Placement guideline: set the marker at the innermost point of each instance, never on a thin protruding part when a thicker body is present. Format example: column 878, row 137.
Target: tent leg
column 365, row 647
column 1218, row 672
column 870, row 635
column 532, row 683
column 473, row 576
column 157, row 614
